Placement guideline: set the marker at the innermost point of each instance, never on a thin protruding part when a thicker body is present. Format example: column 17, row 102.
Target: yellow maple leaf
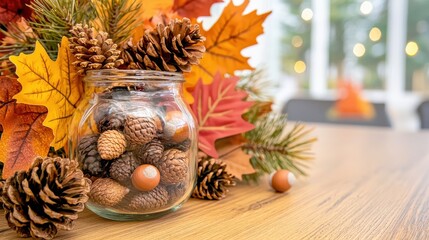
column 54, row 84
column 225, row 40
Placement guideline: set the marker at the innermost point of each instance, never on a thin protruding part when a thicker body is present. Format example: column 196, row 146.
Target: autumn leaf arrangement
column 47, row 46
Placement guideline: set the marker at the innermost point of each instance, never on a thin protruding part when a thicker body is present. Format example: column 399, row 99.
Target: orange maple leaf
column 218, row 108
column 193, row 8
column 24, row 137
column 233, row 32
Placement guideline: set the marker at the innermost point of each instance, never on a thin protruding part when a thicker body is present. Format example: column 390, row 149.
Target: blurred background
column 311, row 46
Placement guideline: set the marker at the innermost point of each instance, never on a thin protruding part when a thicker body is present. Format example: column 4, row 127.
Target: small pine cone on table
column 107, row 192
column 91, row 162
column 152, row 199
column 172, row 166
column 172, row 48
column 45, row 198
column 93, row 51
column 139, row 130
column 212, row 179
column 111, row 144
column 123, row 167
column 150, row 152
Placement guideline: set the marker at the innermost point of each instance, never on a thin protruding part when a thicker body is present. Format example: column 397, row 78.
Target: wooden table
column 365, row 183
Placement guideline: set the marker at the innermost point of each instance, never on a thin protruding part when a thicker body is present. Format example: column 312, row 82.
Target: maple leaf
column 54, row 84
column 233, row 32
column 237, row 161
column 218, row 108
column 193, row 8
column 24, row 137
column 10, row 10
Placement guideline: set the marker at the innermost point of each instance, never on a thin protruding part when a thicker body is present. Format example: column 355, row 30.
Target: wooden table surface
column 365, row 183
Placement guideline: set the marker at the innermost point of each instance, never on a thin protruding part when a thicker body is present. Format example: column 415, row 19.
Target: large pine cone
column 172, row 48
column 45, row 198
column 213, row 179
column 93, row 51
column 172, row 166
column 90, row 160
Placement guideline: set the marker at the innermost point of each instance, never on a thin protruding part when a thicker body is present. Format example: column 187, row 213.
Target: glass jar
column 135, row 138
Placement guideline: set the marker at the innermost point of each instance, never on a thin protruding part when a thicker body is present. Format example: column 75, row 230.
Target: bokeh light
column 375, row 34
column 297, row 41
column 307, row 14
column 366, row 7
column 412, row 48
column 359, row 50
column 300, row 67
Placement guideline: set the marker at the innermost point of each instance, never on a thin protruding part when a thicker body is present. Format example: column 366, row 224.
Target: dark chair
column 423, row 112
column 312, row 110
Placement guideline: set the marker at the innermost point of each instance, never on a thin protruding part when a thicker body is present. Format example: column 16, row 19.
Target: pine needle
column 52, row 19
column 272, row 147
column 256, row 85
column 117, row 18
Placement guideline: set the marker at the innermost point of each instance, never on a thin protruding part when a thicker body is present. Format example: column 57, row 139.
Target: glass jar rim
column 131, row 76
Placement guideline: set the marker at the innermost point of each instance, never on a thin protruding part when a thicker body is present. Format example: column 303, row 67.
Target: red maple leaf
column 11, row 10
column 218, row 108
column 193, row 8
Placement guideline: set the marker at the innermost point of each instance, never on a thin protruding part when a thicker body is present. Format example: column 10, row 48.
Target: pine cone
column 109, row 116
column 1, row 189
column 111, row 144
column 107, row 192
column 139, row 130
column 183, row 146
column 153, row 199
column 212, row 180
column 176, row 191
column 45, row 198
column 89, row 159
column 93, row 51
column 150, row 152
column 123, row 167
column 173, row 166
column 172, row 48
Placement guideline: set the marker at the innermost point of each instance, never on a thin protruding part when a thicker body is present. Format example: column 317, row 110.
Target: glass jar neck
column 142, row 82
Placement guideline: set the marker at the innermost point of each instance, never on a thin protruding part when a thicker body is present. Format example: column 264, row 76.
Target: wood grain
column 366, row 183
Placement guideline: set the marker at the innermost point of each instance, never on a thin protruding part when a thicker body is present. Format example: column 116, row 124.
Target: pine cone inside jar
column 172, row 48
column 107, row 192
column 139, row 130
column 212, row 179
column 111, row 144
column 150, row 152
column 173, row 166
column 90, row 161
column 123, row 167
column 109, row 116
column 93, row 51
column 156, row 198
column 45, row 198
column 182, row 146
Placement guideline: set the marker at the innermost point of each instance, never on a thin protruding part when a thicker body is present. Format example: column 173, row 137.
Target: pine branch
column 117, row 18
column 19, row 38
column 52, row 19
column 256, row 85
column 273, row 148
